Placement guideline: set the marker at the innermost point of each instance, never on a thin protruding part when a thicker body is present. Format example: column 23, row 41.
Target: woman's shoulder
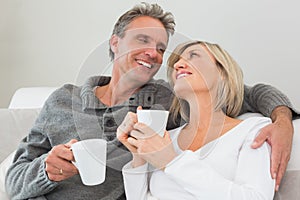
column 253, row 125
column 257, row 121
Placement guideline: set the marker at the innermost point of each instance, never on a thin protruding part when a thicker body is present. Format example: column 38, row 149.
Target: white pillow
column 30, row 97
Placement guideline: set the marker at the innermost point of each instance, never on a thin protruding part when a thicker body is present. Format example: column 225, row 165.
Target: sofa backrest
column 30, row 97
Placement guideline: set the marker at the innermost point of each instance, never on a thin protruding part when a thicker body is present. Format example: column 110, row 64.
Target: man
column 42, row 167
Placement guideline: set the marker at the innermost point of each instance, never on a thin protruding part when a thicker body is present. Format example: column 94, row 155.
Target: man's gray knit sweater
column 75, row 112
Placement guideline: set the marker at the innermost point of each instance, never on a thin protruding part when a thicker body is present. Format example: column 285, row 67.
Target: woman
column 210, row 157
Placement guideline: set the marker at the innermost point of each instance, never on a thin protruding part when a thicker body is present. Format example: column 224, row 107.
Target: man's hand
column 58, row 162
column 279, row 135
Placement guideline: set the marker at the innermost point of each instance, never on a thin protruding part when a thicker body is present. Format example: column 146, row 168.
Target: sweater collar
column 89, row 101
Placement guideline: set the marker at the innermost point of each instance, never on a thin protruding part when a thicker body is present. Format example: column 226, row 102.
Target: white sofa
column 25, row 106
column 16, row 122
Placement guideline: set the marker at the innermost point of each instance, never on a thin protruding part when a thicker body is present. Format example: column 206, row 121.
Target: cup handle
column 74, row 163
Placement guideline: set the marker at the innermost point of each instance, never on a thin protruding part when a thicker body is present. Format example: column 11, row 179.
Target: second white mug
column 90, row 160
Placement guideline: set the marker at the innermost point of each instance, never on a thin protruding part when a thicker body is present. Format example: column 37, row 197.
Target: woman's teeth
column 181, row 76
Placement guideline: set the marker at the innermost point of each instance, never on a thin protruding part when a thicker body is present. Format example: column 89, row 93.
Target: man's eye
column 161, row 50
column 143, row 40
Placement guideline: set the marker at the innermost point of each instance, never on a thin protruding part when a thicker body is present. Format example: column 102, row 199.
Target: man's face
column 139, row 54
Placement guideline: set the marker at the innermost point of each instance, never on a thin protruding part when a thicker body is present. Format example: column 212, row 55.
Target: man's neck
column 116, row 92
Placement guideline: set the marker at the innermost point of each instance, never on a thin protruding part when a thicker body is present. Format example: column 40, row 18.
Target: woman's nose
column 179, row 64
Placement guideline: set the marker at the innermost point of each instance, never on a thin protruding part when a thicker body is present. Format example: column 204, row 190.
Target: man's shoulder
column 63, row 96
column 66, row 90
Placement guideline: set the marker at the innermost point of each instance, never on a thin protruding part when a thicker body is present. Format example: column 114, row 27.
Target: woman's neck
column 204, row 125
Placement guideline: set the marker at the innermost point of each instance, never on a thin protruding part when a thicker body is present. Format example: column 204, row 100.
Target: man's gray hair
column 143, row 9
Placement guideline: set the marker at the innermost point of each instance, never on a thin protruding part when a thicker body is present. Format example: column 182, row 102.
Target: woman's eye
column 193, row 54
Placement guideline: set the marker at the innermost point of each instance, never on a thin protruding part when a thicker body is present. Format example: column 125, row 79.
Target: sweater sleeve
column 252, row 180
column 264, row 99
column 135, row 181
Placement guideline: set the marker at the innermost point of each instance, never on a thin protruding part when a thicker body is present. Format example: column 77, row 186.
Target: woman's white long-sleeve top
column 226, row 168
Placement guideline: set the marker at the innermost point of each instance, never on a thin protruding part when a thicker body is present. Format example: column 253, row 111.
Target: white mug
column 155, row 119
column 90, row 160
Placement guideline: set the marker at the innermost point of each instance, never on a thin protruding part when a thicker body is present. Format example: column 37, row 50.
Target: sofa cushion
column 3, row 170
column 15, row 124
column 289, row 187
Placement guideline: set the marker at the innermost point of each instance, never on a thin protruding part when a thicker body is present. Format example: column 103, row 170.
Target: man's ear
column 113, row 42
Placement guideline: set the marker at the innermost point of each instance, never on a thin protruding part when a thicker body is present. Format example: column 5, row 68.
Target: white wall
column 45, row 43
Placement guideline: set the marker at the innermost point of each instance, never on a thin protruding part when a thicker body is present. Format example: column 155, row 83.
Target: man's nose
column 151, row 52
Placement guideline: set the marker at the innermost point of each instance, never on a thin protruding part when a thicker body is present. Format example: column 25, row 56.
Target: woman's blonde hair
column 230, row 91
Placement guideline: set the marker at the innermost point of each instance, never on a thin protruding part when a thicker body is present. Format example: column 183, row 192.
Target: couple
column 209, row 157
column 42, row 167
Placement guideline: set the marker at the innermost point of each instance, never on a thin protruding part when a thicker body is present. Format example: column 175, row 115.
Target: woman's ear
column 113, row 42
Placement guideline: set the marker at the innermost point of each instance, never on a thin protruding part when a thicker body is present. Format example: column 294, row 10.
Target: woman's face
column 195, row 72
